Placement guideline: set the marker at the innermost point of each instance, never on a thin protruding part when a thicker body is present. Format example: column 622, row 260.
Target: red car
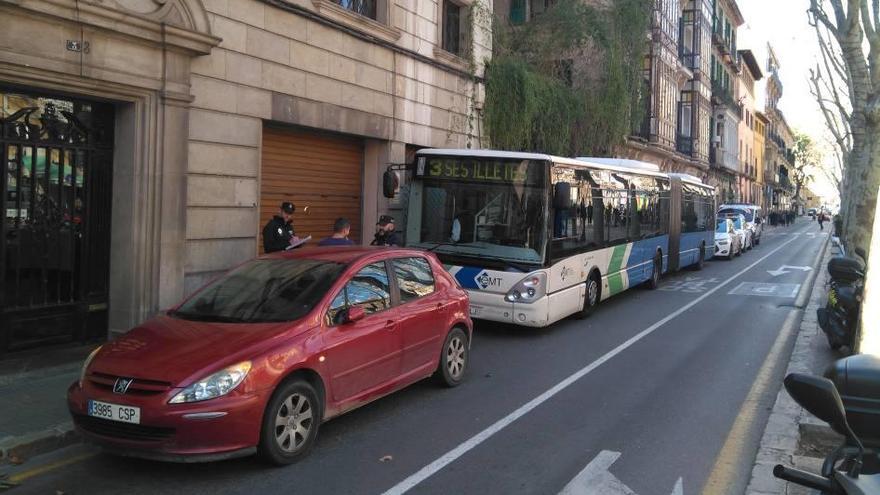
column 256, row 360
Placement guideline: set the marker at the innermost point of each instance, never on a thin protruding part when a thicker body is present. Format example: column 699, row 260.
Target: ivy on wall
column 568, row 82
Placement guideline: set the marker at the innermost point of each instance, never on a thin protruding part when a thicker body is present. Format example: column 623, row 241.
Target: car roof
column 343, row 254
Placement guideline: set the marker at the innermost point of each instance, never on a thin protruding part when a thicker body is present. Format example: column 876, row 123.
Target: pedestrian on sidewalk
column 821, row 219
column 278, row 232
column 341, row 230
column 385, row 235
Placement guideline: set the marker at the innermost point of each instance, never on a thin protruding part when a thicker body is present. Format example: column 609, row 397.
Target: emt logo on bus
column 484, row 280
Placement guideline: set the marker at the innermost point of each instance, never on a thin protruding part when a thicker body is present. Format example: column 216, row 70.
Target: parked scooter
column 839, row 319
column 854, row 467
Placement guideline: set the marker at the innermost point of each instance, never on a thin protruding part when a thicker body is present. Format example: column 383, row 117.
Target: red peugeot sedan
column 256, row 360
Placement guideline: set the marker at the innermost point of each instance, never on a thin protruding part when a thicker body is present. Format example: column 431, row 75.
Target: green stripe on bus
column 615, row 277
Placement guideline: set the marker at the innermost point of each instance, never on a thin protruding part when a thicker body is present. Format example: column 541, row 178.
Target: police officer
column 278, row 232
column 385, row 235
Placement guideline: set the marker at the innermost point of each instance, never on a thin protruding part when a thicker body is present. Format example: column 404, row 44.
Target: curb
column 789, row 424
column 16, row 449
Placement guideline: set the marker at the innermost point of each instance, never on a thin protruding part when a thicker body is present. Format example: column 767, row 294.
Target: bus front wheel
column 592, row 297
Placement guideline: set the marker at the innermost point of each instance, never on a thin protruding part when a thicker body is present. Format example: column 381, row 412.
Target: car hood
column 722, row 237
column 172, row 350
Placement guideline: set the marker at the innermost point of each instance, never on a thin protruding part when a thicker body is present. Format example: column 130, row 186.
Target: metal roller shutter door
column 321, row 171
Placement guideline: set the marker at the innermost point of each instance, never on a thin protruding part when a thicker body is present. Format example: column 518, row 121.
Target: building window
column 538, row 7
column 452, row 27
column 517, row 11
column 366, row 8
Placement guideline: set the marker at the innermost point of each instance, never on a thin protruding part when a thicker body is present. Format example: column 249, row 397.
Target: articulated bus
column 536, row 238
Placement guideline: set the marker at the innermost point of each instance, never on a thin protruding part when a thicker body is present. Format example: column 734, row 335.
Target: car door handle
column 390, row 324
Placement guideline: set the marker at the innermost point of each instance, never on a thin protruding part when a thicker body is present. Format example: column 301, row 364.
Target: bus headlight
column 529, row 289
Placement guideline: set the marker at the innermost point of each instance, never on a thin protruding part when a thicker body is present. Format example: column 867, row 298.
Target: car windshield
column 721, row 227
column 737, row 223
column 746, row 212
column 485, row 208
column 267, row 290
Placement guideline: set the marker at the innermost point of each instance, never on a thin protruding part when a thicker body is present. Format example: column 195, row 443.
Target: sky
column 784, row 25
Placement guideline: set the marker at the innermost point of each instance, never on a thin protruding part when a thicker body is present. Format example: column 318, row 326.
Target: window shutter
column 517, row 11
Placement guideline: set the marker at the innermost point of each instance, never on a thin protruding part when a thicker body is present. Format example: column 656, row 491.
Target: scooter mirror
column 862, row 254
column 818, row 396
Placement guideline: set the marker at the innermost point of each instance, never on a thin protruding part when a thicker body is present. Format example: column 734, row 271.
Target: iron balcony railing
column 685, row 145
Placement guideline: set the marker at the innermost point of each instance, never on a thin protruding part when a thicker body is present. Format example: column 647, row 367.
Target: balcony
column 685, row 145
column 720, row 43
column 724, row 96
column 689, row 59
column 785, row 183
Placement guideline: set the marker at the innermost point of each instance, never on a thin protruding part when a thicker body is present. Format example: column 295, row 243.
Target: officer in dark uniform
column 278, row 232
column 385, row 235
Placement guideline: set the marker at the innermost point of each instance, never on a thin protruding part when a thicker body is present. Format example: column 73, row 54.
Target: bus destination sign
column 507, row 172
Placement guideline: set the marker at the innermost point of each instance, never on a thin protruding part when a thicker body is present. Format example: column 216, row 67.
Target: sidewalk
column 793, row 436
column 33, row 385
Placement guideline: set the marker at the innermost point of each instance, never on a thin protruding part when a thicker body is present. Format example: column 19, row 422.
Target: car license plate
column 475, row 310
column 115, row 412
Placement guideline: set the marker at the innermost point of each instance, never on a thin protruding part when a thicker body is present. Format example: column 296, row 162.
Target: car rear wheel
column 592, row 297
column 290, row 423
column 454, row 358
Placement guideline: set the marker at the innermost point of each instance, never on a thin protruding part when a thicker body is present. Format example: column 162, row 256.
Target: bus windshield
column 486, row 208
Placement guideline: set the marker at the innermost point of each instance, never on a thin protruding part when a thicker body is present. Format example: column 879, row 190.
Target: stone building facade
column 675, row 130
column 760, row 134
column 748, row 168
column 213, row 111
column 778, row 154
column 727, row 105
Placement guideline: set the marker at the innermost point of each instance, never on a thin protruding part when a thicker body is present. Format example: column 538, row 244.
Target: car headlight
column 86, row 363
column 216, row 385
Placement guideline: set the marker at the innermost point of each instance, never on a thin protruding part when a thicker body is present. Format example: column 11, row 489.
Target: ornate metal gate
column 55, row 236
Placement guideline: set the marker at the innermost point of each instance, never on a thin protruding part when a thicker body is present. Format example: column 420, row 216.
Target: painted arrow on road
column 595, row 479
column 782, row 270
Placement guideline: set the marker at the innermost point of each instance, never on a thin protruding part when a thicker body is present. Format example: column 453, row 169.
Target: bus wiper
column 455, row 244
column 508, row 263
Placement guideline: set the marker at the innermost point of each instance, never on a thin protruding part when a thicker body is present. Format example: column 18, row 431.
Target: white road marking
column 466, row 446
column 767, row 290
column 596, row 479
column 782, row 270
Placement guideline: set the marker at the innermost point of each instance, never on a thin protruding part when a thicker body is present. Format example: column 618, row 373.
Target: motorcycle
column 839, row 319
column 854, row 467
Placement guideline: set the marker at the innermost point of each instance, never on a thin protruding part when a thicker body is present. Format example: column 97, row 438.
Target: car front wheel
column 290, row 423
column 453, row 358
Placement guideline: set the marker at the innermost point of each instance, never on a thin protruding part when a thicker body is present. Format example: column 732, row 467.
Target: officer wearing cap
column 278, row 232
column 385, row 235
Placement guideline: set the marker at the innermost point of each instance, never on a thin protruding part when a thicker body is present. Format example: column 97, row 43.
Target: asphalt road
column 654, row 381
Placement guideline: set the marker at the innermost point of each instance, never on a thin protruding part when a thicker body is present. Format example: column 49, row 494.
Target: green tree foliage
column 570, row 81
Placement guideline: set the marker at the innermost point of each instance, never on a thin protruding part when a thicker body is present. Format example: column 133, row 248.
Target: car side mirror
column 354, row 314
column 819, row 396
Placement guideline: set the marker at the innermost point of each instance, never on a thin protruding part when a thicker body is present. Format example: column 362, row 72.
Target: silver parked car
column 728, row 242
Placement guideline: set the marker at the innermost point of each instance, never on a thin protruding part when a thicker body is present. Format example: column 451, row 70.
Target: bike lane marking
column 426, row 472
